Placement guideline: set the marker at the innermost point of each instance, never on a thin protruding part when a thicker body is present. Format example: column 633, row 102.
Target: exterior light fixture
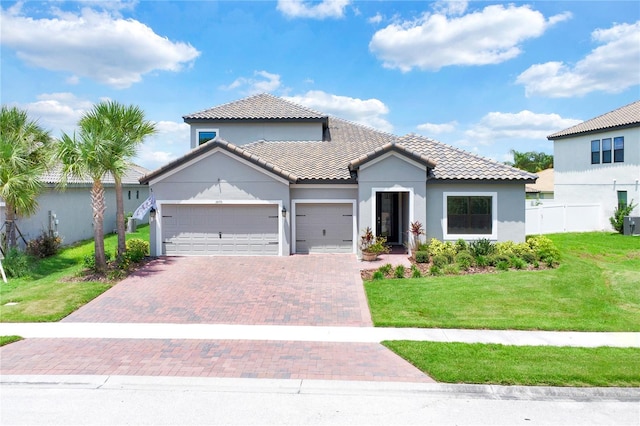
column 284, row 212
column 152, row 213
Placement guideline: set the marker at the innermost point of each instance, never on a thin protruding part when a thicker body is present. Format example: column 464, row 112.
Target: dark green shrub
column 435, row 270
column 44, row 246
column 451, row 269
column 16, row 263
column 529, row 257
column 440, row 260
column 377, row 275
column 617, row 220
column 482, row 261
column 464, row 260
column 399, row 271
column 502, row 265
column 415, row 272
column 494, row 259
column 422, row 247
column 481, row 247
column 461, row 246
column 518, row 263
column 422, row 257
column 137, row 249
column 89, row 260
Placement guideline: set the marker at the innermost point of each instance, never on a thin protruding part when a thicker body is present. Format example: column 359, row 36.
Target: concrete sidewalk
column 316, row 334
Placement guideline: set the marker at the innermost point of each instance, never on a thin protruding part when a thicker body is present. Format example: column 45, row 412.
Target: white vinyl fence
column 553, row 218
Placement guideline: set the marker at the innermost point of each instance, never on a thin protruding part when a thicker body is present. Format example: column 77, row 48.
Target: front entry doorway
column 392, row 216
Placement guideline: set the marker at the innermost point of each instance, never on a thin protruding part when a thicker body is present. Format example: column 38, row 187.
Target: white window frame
column 470, row 237
column 198, row 131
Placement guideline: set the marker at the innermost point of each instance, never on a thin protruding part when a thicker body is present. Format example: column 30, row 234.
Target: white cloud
column 433, row 41
column 261, row 82
column 170, row 142
column 436, row 129
column 611, row 67
column 57, row 112
column 369, row 112
column 95, row 45
column 521, row 125
column 305, row 9
column 451, row 7
column 376, row 19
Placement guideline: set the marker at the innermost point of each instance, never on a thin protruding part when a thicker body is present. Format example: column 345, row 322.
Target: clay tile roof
column 258, row 107
column 453, row 163
column 626, row 116
column 544, row 182
column 131, row 177
column 388, row 147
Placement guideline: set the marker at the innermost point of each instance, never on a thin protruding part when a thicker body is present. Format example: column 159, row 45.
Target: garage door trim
column 278, row 203
column 354, row 231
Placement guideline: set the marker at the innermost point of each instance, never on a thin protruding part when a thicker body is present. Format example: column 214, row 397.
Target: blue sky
column 485, row 76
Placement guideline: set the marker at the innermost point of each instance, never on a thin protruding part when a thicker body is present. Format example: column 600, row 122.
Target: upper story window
column 618, row 149
column 206, row 135
column 595, row 151
column 606, row 150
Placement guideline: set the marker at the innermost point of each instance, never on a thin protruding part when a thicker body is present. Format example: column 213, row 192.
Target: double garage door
column 220, row 230
column 324, row 228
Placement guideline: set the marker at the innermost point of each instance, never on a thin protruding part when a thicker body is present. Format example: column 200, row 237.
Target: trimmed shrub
column 482, row 261
column 439, row 248
column 494, row 259
column 377, row 275
column 422, row 257
column 440, row 260
column 502, row 265
column 89, row 261
column 385, row 269
column 137, row 249
column 544, row 249
column 399, row 271
column 481, row 247
column 44, row 246
column 435, row 270
column 464, row 260
column 16, row 263
column 451, row 269
column 461, row 246
column 518, row 262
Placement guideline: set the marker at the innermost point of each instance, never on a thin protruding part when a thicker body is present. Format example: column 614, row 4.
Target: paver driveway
column 292, row 290
column 295, row 290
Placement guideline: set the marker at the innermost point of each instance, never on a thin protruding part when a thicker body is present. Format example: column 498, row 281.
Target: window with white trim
column 206, row 135
column 470, row 215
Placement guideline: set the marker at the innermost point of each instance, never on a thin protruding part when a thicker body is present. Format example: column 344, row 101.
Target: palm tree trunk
column 99, row 207
column 120, row 225
column 10, row 222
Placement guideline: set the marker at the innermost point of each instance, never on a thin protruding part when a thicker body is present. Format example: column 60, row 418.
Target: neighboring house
column 598, row 161
column 267, row 176
column 69, row 214
column 542, row 189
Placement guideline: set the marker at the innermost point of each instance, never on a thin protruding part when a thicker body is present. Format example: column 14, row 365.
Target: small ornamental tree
column 617, row 220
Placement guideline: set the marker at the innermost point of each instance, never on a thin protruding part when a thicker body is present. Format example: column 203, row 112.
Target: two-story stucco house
column 598, row 161
column 270, row 177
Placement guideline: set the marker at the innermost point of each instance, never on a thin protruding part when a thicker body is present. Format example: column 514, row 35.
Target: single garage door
column 324, row 228
column 219, row 230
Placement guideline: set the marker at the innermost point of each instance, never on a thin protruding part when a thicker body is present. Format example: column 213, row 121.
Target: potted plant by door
column 372, row 246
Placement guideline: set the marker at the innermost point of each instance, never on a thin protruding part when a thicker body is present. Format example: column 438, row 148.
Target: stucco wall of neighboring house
column 219, row 177
column 391, row 173
column 241, row 133
column 72, row 209
column 579, row 181
column 510, row 208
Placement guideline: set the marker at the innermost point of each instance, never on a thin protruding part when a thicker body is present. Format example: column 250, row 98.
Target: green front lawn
column 522, row 365
column 595, row 288
column 50, row 294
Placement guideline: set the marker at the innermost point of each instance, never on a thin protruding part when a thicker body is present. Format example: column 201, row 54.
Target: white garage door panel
column 220, row 229
column 324, row 228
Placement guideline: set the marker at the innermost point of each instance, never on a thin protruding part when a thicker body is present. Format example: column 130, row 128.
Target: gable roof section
column 390, row 147
column 626, row 116
column 544, row 182
column 456, row 164
column 258, row 107
column 229, row 147
column 131, row 177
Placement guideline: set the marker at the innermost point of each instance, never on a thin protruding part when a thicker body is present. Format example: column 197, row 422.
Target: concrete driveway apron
column 316, row 290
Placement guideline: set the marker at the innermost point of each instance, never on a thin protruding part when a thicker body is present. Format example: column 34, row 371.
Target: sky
column 487, row 77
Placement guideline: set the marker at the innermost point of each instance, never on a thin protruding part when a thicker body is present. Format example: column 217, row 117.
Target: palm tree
column 128, row 128
column 531, row 161
column 25, row 153
column 85, row 155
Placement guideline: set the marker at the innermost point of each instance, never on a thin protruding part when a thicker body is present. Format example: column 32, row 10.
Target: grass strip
column 5, row 340
column 522, row 365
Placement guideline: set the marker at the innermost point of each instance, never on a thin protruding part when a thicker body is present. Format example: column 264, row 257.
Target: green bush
column 482, row 261
column 439, row 248
column 518, row 262
column 544, row 249
column 399, row 271
column 89, row 260
column 461, row 246
column 494, row 259
column 137, row 249
column 464, row 260
column 502, row 265
column 16, row 263
column 415, row 272
column 481, row 247
column 440, row 260
column 385, row 269
column 377, row 275
column 617, row 220
column 451, row 269
column 435, row 270
column 422, row 257
column 44, row 246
